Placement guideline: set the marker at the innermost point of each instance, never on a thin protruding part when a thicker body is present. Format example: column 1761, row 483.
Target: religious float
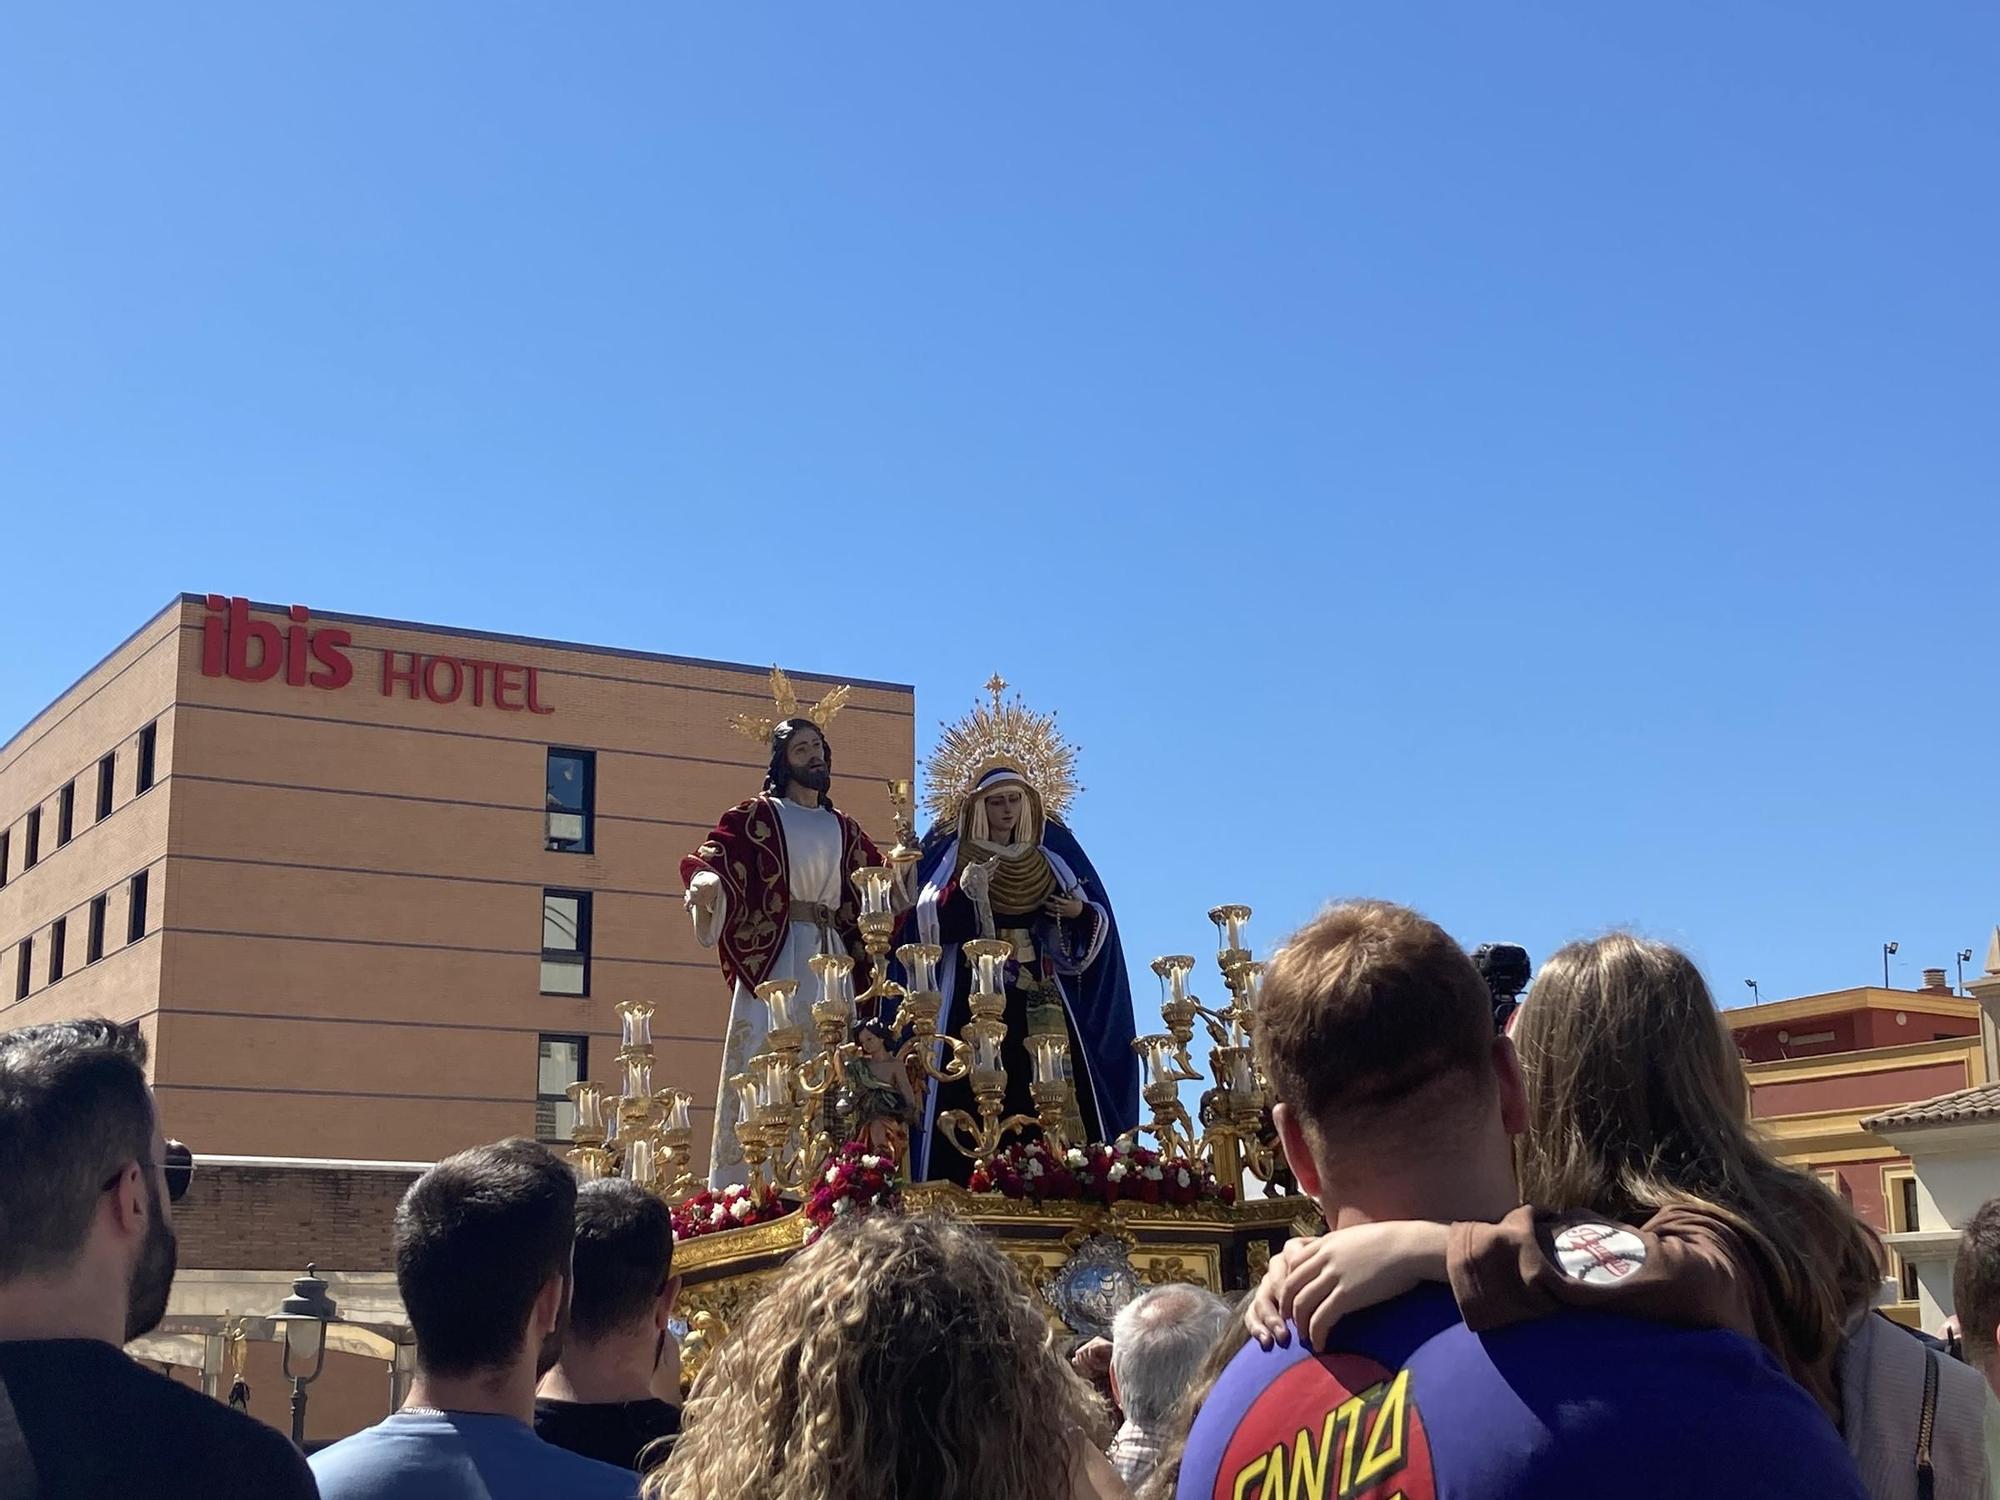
column 945, row 1026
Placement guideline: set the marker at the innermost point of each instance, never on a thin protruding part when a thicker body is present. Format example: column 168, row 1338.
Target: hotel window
column 135, row 921
column 94, row 944
column 66, row 814
column 572, row 792
column 149, row 740
column 56, row 949
column 563, row 1059
column 565, row 942
column 106, row 769
column 24, row 963
column 33, row 852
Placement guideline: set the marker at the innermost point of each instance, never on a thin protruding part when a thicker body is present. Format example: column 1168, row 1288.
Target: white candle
column 639, row 1161
column 779, row 997
column 920, row 964
column 1050, row 1053
column 636, row 1019
column 677, row 1111
column 986, row 1052
column 1241, row 1079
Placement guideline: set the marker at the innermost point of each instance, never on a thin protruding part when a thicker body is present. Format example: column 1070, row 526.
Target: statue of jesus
column 770, row 890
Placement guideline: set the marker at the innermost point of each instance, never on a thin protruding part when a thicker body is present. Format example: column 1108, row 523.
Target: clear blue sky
column 1534, row 462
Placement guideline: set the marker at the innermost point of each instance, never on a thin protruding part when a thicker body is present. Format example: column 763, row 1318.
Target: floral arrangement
column 732, row 1208
column 1121, row 1172
column 855, row 1178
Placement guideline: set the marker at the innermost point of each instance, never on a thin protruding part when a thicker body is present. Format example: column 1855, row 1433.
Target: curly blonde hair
column 894, row 1357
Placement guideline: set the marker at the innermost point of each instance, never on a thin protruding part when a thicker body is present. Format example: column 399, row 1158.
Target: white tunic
column 812, row 874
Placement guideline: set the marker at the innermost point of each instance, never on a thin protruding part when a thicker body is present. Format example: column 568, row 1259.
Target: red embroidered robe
column 747, row 852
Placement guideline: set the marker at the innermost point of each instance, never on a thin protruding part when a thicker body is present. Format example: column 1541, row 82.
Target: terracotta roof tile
column 1960, row 1107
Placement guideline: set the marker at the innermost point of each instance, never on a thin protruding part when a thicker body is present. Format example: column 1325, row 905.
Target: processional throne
column 1186, row 1196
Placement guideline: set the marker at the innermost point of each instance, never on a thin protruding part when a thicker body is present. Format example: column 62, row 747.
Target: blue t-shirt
column 461, row 1456
column 1411, row 1403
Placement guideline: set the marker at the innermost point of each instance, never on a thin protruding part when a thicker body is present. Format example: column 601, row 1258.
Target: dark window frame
column 93, row 945
column 588, row 843
column 58, row 944
column 107, row 771
column 584, row 923
column 24, row 968
column 32, row 855
column 66, row 813
column 6, row 851
column 135, row 913
column 582, row 1040
column 149, row 747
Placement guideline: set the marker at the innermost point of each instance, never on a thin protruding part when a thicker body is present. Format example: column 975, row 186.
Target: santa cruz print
column 1338, row 1427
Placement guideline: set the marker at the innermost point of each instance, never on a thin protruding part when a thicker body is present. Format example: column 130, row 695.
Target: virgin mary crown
column 1005, row 734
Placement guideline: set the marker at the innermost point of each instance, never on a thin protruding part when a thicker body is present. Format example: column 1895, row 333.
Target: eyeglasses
column 177, row 1166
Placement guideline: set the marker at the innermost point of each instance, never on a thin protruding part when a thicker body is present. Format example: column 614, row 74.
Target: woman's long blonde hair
column 893, row 1358
column 1637, row 1101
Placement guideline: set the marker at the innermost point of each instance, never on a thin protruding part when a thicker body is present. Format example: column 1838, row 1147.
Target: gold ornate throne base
column 1084, row 1260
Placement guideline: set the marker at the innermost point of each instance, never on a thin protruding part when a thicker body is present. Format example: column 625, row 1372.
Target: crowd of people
column 1558, row 1260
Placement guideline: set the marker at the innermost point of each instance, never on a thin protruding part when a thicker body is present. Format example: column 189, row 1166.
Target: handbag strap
column 1926, row 1425
column 17, row 1464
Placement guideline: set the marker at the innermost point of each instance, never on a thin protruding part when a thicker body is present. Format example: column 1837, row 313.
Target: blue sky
column 1537, row 462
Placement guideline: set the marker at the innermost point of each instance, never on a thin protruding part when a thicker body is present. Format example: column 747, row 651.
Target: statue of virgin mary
column 1000, row 863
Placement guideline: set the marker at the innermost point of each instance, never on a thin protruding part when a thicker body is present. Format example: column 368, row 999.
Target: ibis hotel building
column 372, row 888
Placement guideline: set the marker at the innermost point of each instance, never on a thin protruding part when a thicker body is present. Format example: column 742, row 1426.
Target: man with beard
column 86, row 1262
column 483, row 1247
column 772, row 889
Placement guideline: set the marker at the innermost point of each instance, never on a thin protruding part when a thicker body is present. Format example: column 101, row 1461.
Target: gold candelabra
column 778, row 1101
column 984, row 1034
column 640, row 1133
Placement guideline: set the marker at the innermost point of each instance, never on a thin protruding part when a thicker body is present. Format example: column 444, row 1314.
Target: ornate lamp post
column 304, row 1316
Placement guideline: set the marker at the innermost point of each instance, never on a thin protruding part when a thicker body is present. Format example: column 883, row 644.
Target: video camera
column 1505, row 968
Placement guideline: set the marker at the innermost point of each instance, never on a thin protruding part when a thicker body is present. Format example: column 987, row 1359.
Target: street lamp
column 304, row 1316
column 1887, row 949
column 1964, row 957
column 1755, row 998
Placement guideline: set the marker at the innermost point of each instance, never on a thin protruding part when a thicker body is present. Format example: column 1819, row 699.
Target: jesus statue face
column 1003, row 813
column 805, row 758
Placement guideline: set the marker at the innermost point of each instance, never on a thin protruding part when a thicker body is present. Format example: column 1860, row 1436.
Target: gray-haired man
column 1158, row 1342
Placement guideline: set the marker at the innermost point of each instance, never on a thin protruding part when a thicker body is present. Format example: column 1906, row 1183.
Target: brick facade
column 341, row 957
column 339, row 1217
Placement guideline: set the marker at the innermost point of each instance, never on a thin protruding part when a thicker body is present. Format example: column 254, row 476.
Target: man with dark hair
column 483, row 1244
column 87, row 1257
column 1395, row 1100
column 601, row 1399
column 1975, row 1290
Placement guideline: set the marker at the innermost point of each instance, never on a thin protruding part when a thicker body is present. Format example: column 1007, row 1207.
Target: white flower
column 1182, row 1177
column 842, row 1205
column 742, row 1208
column 1034, row 1169
column 1153, row 1174
column 1075, row 1157
column 1118, row 1171
column 872, row 1163
column 832, row 1176
column 718, row 1214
